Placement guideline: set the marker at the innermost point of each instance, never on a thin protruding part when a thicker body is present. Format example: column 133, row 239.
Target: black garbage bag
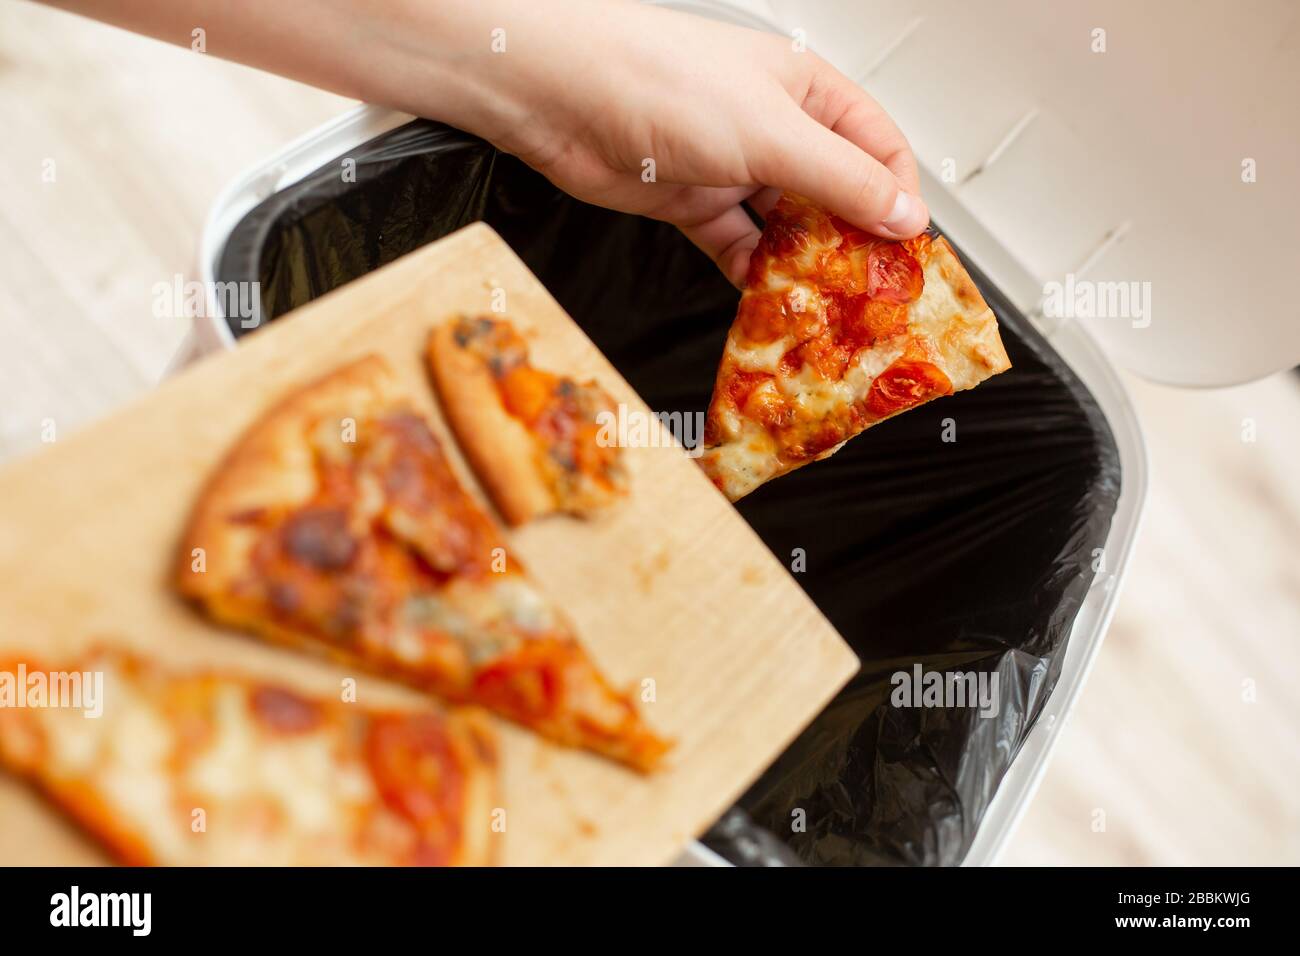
column 958, row 537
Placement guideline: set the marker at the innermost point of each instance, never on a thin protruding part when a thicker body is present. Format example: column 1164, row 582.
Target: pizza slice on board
column 838, row 330
column 336, row 525
column 536, row 439
column 204, row 768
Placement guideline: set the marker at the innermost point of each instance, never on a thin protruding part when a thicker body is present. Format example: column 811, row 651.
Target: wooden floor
column 1187, row 736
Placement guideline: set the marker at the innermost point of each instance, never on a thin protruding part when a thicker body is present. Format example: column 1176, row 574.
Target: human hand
column 590, row 93
column 602, row 96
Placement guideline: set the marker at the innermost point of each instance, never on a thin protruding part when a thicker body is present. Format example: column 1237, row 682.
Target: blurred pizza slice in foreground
column 204, row 768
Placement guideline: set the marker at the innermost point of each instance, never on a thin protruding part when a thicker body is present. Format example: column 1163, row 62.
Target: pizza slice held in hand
column 337, row 525
column 202, row 768
column 534, row 437
column 838, row 330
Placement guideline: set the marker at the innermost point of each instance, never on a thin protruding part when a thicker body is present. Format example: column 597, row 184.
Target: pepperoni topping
column 906, row 383
column 283, row 711
column 893, row 274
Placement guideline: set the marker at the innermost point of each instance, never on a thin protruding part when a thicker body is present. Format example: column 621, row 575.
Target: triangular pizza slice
column 200, row 768
column 336, row 524
column 838, row 330
column 536, row 438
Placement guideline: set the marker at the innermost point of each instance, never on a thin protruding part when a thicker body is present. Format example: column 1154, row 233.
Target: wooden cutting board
column 672, row 586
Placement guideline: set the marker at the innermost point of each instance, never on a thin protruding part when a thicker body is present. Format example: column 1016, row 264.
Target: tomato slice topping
column 906, row 383
column 413, row 767
column 893, row 274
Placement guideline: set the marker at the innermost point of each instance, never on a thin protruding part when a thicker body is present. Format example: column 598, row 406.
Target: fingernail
column 905, row 218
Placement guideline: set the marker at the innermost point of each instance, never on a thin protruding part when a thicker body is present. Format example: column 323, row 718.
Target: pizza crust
column 499, row 447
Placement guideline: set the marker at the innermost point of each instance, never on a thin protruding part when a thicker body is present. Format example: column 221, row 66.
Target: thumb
column 811, row 160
